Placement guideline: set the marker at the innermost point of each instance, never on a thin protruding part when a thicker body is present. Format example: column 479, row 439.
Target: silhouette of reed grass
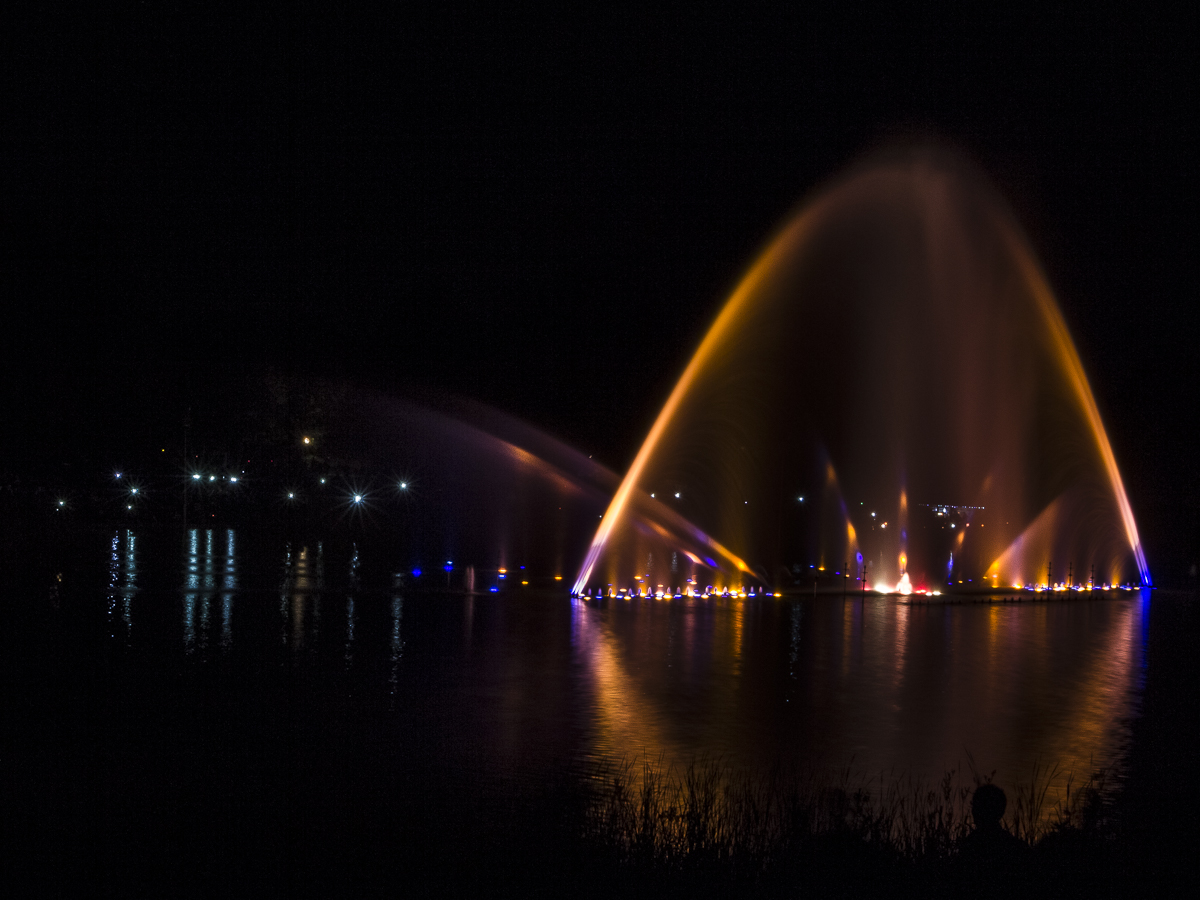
column 724, row 826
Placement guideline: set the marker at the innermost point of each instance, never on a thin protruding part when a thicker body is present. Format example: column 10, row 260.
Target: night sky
column 545, row 210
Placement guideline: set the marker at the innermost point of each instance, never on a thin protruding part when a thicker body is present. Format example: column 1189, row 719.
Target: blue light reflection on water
column 122, row 583
column 210, row 578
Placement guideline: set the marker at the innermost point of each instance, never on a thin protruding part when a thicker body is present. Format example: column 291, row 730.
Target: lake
column 225, row 687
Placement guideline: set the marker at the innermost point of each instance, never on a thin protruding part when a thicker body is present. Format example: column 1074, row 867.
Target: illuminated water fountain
column 891, row 393
column 473, row 491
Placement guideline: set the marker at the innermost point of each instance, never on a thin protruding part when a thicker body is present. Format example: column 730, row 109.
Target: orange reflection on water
column 893, row 686
column 626, row 721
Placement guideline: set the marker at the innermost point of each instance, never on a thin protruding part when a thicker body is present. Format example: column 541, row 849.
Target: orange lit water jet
column 900, row 327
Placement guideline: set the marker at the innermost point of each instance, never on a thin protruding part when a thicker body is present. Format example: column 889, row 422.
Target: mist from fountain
column 891, row 386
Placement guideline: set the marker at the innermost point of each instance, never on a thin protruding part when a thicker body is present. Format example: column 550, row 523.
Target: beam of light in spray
column 1036, row 542
column 882, row 195
column 712, row 340
column 1069, row 359
column 832, row 486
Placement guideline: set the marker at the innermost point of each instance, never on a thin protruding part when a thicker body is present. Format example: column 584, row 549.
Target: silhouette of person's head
column 987, row 806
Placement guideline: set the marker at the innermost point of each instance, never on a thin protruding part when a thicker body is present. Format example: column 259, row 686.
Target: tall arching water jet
column 899, row 331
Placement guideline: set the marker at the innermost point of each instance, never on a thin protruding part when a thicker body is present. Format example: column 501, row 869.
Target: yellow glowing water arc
column 712, row 340
column 795, row 232
column 1068, row 357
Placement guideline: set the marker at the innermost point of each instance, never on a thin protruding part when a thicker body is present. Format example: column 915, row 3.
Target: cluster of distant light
column 356, row 498
column 199, row 476
column 1062, row 586
column 692, row 589
column 902, row 589
column 944, row 509
column 501, row 574
column 135, row 492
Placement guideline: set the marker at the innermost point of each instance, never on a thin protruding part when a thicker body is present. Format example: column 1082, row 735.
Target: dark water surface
column 219, row 699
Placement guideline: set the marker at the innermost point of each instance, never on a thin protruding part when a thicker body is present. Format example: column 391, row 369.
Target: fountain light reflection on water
column 902, row 688
column 906, row 686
